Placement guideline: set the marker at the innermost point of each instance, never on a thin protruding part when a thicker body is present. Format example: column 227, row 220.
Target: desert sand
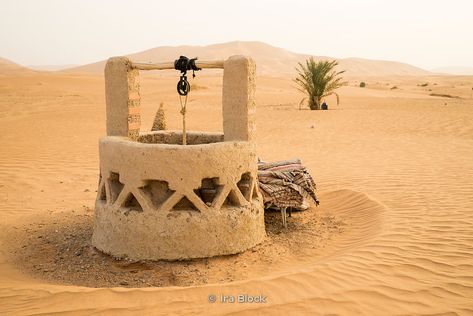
column 393, row 233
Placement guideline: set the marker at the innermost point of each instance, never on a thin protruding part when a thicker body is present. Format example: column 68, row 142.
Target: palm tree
column 318, row 80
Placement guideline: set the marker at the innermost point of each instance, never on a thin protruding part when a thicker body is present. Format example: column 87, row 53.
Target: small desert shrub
column 394, row 88
column 423, row 85
column 362, row 84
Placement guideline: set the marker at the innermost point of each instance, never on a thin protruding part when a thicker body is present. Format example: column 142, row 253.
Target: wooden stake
column 283, row 214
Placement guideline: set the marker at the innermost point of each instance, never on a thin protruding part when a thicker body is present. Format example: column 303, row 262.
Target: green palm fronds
column 318, row 80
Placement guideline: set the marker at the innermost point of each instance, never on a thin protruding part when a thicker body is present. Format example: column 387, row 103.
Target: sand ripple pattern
column 412, row 256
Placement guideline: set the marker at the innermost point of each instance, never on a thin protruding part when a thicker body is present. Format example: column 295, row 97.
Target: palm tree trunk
column 311, row 104
column 314, row 104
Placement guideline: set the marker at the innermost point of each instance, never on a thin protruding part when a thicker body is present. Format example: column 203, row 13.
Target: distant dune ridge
column 8, row 67
column 52, row 67
column 270, row 60
column 454, row 70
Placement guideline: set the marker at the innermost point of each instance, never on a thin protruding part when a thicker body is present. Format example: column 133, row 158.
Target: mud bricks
column 122, row 94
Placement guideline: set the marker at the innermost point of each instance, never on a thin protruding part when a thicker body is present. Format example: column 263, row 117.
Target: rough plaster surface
column 122, row 94
column 158, row 231
column 160, row 200
column 175, row 137
column 238, row 99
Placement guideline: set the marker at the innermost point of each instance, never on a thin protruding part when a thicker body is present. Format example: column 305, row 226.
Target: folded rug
column 286, row 184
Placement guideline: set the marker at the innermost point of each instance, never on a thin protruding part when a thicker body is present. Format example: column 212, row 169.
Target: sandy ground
column 393, row 234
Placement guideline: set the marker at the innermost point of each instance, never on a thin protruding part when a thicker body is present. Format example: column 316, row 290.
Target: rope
column 183, row 112
column 183, row 64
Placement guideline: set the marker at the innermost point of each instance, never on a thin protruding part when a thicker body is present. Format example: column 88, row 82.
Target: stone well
column 158, row 199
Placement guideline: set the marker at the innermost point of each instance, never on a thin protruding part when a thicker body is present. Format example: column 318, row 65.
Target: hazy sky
column 424, row 33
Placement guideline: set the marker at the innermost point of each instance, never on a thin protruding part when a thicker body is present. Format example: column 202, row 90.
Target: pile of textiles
column 286, row 184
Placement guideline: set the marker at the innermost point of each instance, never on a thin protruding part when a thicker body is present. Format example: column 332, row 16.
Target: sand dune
column 393, row 165
column 273, row 61
column 51, row 67
column 8, row 67
column 454, row 70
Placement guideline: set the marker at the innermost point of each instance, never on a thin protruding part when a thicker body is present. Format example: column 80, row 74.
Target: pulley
column 183, row 64
column 183, row 86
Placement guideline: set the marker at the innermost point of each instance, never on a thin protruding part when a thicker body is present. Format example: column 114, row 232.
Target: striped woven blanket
column 286, row 184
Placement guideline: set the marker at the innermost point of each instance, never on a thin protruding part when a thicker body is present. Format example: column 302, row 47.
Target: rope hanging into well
column 183, row 64
column 183, row 113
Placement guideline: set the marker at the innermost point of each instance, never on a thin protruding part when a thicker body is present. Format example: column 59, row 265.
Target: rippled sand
column 395, row 165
